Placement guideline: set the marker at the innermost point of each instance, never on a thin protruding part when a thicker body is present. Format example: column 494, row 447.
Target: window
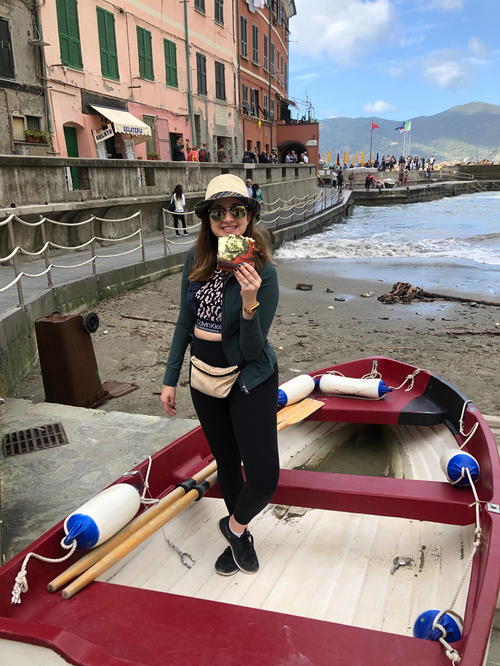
column 266, row 64
column 255, row 44
column 220, row 81
column 265, row 104
column 271, row 58
column 6, row 57
column 201, row 73
column 271, row 111
column 200, row 5
column 254, row 102
column 244, row 43
column 145, row 52
column 171, row 62
column 107, row 44
column 219, row 12
column 33, row 123
column 244, row 100
column 69, row 33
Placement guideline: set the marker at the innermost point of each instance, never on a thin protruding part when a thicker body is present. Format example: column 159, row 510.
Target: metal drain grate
column 37, row 438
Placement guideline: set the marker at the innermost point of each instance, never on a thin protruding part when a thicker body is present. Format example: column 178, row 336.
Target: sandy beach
column 312, row 330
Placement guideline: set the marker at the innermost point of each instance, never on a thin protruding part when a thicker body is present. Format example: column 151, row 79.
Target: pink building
column 127, row 79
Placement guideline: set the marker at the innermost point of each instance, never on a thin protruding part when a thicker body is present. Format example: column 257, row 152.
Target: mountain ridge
column 466, row 132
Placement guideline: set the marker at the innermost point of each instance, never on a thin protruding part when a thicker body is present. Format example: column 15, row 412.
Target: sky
column 394, row 59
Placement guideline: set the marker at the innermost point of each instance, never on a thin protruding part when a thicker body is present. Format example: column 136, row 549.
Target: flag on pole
column 400, row 128
column 407, row 126
column 375, row 126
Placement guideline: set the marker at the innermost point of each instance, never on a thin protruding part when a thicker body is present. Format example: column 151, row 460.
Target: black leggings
column 179, row 218
column 240, row 429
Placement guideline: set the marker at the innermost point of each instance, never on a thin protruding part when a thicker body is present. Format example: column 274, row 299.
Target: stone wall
column 32, row 187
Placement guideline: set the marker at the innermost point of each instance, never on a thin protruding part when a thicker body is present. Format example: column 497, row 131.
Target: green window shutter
column 171, row 62
column 145, row 52
column 107, row 44
column 69, row 33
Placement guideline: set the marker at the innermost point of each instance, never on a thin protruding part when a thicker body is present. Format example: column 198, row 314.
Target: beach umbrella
column 338, row 159
column 329, row 157
column 377, row 157
column 363, row 157
column 356, row 157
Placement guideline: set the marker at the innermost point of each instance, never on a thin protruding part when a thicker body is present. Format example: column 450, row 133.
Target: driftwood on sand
column 404, row 292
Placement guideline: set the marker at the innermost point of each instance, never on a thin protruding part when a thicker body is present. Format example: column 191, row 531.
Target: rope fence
column 275, row 214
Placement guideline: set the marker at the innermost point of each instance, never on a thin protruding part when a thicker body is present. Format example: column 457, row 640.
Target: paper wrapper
column 246, row 256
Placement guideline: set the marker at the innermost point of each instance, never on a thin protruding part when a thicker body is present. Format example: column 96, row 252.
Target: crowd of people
column 183, row 152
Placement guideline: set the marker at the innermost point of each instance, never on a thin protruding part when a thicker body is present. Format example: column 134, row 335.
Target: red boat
column 349, row 560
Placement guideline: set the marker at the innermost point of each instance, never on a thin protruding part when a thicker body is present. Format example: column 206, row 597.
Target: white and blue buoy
column 451, row 623
column 362, row 388
column 454, row 463
column 102, row 516
column 295, row 389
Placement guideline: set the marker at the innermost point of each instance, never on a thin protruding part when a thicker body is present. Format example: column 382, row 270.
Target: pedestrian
column 257, row 193
column 248, row 183
column 178, row 154
column 351, row 180
column 221, row 153
column 204, row 154
column 193, row 155
column 340, row 179
column 178, row 201
column 368, row 182
column 218, row 316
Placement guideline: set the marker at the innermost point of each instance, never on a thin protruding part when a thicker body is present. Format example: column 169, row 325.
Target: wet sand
column 312, row 330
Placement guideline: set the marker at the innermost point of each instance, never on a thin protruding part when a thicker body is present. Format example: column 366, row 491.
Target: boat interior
column 373, row 571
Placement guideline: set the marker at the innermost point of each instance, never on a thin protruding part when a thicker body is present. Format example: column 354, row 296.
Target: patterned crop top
column 205, row 299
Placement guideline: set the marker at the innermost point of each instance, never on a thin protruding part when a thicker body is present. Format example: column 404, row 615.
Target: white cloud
column 378, row 107
column 339, row 29
column 477, row 47
column 447, row 5
column 447, row 74
column 306, row 77
column 395, row 70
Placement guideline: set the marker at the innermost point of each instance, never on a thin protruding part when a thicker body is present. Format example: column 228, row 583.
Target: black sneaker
column 225, row 564
column 241, row 547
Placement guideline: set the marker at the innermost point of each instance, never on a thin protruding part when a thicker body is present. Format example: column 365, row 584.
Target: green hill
column 468, row 132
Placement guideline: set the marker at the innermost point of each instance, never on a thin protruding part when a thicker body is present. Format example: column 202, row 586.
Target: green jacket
column 243, row 340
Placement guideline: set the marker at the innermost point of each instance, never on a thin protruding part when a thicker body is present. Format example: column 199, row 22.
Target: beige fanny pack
column 216, row 382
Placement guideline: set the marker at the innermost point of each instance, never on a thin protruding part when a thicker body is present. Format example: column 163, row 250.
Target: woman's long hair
column 205, row 253
column 178, row 191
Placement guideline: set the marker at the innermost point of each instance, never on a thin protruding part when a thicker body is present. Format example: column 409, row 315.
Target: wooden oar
column 131, row 542
column 94, row 555
column 292, row 414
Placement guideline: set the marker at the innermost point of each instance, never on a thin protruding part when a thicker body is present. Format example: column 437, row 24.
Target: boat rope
column 409, row 378
column 145, row 490
column 21, row 580
column 468, row 435
column 451, row 653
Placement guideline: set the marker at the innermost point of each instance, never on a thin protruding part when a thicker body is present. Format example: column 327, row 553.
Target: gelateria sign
column 103, row 134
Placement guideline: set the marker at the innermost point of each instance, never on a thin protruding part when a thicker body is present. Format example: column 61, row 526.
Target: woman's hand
column 167, row 399
column 250, row 283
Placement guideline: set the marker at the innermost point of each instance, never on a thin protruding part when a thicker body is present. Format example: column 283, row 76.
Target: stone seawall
column 115, row 189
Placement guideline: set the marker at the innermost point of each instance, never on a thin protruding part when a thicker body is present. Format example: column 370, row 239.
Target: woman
column 179, row 201
column 257, row 193
column 226, row 318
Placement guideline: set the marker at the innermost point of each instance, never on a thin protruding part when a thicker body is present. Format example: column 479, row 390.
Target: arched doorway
column 286, row 146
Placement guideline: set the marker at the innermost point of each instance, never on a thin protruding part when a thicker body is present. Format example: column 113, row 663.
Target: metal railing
column 44, row 251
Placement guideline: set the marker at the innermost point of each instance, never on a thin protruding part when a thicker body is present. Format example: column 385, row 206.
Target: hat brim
column 202, row 207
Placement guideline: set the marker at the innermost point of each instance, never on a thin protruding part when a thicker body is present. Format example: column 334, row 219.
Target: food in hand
column 234, row 250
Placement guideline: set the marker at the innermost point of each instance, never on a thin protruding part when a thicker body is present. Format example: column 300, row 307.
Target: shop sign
column 132, row 130
column 103, row 134
column 311, row 142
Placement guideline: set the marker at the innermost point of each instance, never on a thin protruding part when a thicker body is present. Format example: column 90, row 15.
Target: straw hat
column 225, row 186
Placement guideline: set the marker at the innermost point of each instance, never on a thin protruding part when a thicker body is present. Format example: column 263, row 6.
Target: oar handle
column 133, row 541
column 94, row 555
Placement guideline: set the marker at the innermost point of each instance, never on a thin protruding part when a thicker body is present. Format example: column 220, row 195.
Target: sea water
column 452, row 242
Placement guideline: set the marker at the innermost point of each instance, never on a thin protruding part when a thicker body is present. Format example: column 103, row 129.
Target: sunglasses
column 237, row 211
